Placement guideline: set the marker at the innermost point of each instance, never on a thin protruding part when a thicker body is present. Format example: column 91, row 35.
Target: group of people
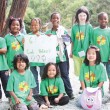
column 89, row 49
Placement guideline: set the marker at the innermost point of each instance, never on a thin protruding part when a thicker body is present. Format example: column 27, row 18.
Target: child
column 35, row 27
column 4, row 74
column 20, row 84
column 101, row 38
column 62, row 56
column 80, row 35
column 93, row 73
column 14, row 40
column 52, row 87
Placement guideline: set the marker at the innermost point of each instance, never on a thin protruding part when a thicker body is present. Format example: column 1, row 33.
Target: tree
column 2, row 12
column 17, row 10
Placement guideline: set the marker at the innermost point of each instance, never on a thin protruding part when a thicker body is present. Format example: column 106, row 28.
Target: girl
column 93, row 73
column 62, row 56
column 101, row 38
column 4, row 73
column 52, row 87
column 35, row 27
column 80, row 34
column 14, row 40
column 20, row 84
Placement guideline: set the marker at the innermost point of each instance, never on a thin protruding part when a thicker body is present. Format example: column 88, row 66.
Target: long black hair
column 44, row 76
column 21, row 57
column 98, row 56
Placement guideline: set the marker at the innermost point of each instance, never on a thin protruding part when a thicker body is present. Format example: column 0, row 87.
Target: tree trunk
column 2, row 14
column 17, row 10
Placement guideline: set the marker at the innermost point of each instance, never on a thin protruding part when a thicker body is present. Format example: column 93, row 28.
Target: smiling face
column 55, row 19
column 91, row 55
column 82, row 18
column 103, row 20
column 21, row 65
column 35, row 26
column 15, row 27
column 51, row 71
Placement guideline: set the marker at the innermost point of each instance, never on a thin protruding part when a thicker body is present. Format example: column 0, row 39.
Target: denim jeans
column 63, row 66
column 4, row 75
column 35, row 73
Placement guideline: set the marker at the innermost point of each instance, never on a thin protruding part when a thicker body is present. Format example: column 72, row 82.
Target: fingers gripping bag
column 91, row 99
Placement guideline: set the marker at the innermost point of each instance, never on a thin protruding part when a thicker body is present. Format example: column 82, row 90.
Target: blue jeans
column 4, row 75
column 35, row 73
column 63, row 66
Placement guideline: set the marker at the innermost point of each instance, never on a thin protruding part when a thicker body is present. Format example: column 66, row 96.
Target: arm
column 3, row 51
column 100, row 84
column 58, row 98
column 82, row 85
column 71, row 55
column 29, row 97
column 47, row 100
column 17, row 100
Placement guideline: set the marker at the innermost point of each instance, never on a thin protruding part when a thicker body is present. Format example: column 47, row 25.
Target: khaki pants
column 77, row 64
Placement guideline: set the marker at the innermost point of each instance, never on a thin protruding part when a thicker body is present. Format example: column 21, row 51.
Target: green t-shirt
column 14, row 46
column 81, row 37
column 52, row 87
column 35, row 63
column 21, row 85
column 101, row 38
column 57, row 47
column 92, row 75
column 3, row 60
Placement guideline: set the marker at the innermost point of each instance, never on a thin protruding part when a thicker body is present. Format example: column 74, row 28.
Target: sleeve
column 33, row 83
column 91, row 34
column 81, row 77
column 72, row 34
column 43, row 89
column 103, row 74
column 2, row 43
column 92, row 37
column 10, row 84
column 61, row 86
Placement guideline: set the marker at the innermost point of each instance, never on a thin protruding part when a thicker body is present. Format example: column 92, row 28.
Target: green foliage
column 67, row 8
column 28, row 16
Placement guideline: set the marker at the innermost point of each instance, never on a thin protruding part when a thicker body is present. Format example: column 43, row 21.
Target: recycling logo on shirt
column 52, row 89
column 101, row 40
column 91, row 78
column 15, row 45
column 80, row 35
column 23, row 86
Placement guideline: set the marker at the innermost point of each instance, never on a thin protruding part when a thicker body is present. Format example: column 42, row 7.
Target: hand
column 23, row 40
column 48, row 103
column 48, row 35
column 29, row 98
column 17, row 100
column 71, row 55
column 56, row 100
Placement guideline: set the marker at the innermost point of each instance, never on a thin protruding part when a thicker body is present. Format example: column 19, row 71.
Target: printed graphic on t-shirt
column 15, row 45
column 52, row 89
column 90, row 77
column 101, row 40
column 80, row 35
column 23, row 86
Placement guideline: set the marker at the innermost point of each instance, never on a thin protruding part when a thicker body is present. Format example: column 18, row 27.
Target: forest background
column 44, row 8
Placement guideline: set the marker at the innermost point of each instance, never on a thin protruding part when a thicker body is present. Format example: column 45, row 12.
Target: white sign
column 40, row 49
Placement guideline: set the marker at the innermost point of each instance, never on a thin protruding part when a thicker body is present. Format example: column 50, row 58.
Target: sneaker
column 71, row 97
column 0, row 100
